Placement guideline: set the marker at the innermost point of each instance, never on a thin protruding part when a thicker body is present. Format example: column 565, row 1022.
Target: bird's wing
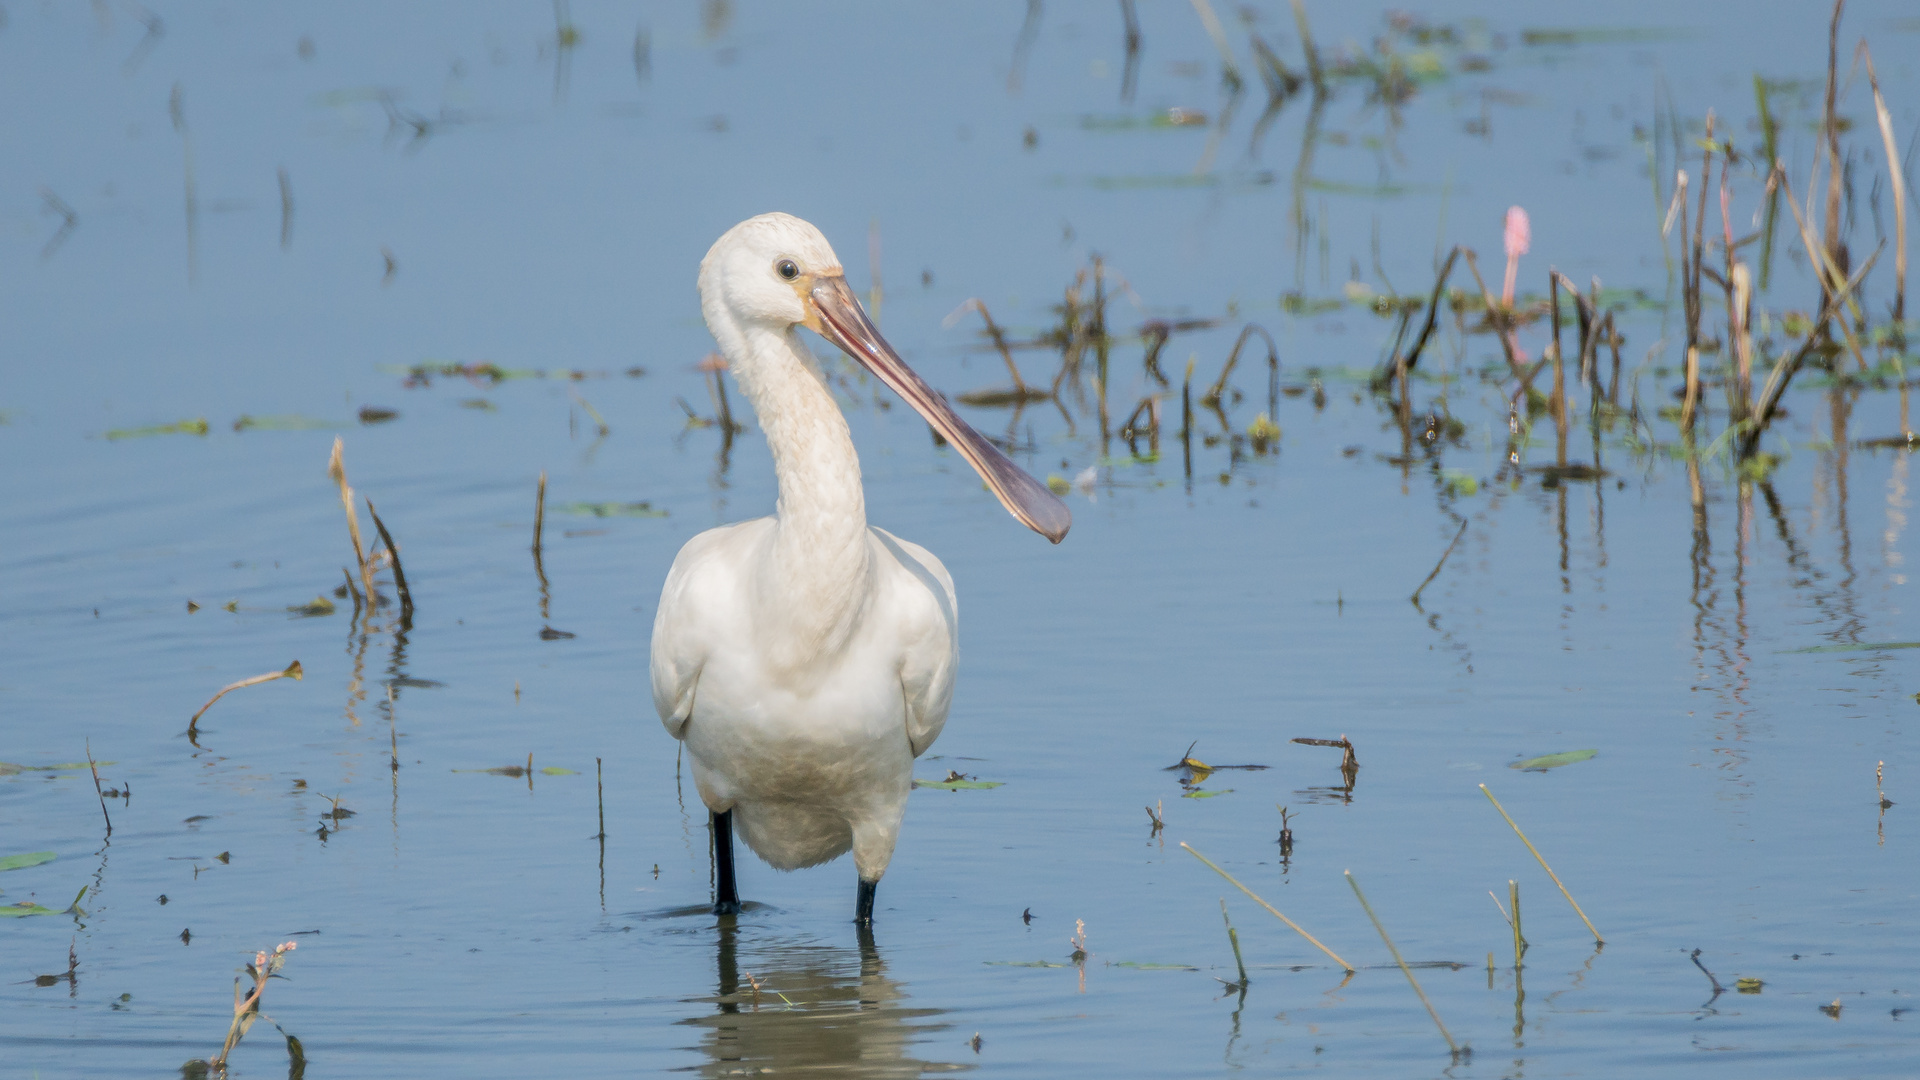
column 681, row 641
column 929, row 639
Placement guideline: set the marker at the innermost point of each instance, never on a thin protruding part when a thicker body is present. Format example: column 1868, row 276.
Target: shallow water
column 547, row 211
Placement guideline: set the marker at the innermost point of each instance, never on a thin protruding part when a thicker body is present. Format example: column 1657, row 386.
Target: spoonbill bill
column 806, row 659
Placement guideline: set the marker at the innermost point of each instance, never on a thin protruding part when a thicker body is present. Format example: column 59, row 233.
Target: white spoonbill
column 805, row 659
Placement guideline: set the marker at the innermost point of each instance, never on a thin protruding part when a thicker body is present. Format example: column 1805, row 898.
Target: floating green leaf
column 1553, row 761
column 28, row 907
column 289, row 422
column 555, row 770
column 957, row 785
column 1749, row 985
column 613, row 509
column 1207, row 794
column 183, row 427
column 16, row 862
column 1154, row 967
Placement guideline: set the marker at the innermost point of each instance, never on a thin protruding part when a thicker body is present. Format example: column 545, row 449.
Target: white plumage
column 807, row 658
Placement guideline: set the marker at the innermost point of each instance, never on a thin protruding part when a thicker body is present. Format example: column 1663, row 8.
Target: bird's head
column 776, row 272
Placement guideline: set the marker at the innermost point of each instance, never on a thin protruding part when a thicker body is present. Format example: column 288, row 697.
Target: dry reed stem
column 1835, row 290
column 1830, row 130
column 1452, row 1046
column 292, row 671
column 1692, row 400
column 1597, row 939
column 1344, row 966
column 1229, row 72
column 1899, row 182
column 337, row 469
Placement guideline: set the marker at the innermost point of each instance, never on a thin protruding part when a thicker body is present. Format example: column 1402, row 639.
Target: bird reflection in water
column 810, row 1009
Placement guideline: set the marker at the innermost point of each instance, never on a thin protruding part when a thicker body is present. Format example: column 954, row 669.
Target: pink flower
column 1519, row 238
column 1519, row 232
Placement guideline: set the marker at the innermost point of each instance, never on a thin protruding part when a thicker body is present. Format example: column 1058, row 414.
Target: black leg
column 863, row 907
column 726, row 896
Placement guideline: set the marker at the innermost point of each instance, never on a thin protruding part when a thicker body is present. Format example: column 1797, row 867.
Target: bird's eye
column 787, row 268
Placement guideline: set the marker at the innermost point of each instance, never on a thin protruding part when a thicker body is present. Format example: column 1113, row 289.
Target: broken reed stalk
column 1519, row 938
column 1836, row 290
column 1501, row 319
column 292, row 671
column 1344, row 966
column 337, row 470
column 1899, row 183
column 1234, row 939
column 353, row 590
column 1783, row 373
column 1830, row 132
column 1559, row 373
column 1186, row 419
column 1698, row 251
column 1452, row 1046
column 1020, row 386
column 393, row 556
column 1436, row 566
column 103, row 795
column 539, row 513
column 1597, row 939
column 1229, row 72
column 1314, row 71
column 1433, row 312
column 1219, row 387
column 1692, row 400
column 600, row 799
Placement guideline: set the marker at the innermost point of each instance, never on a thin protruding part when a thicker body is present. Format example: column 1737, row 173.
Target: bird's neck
column 813, row 585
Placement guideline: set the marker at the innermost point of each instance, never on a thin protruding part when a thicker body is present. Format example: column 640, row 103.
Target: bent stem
column 293, row 671
column 1404, row 969
column 1344, row 966
column 1597, row 939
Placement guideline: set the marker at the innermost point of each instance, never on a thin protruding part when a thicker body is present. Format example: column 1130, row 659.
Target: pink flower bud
column 1519, row 232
